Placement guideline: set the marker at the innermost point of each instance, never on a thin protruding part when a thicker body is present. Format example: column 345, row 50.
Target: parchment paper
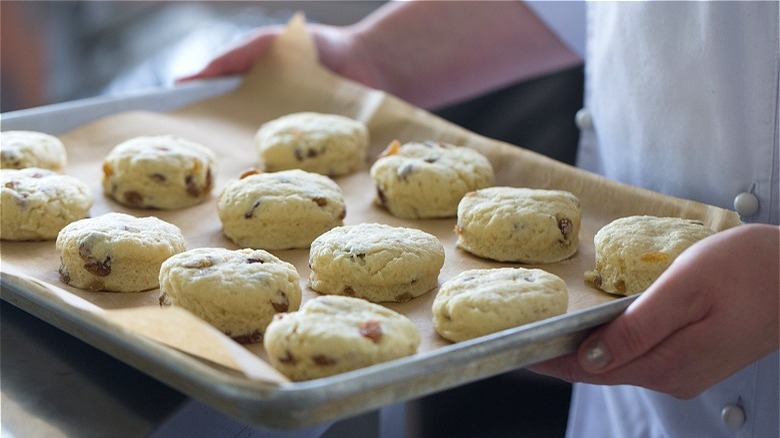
column 289, row 80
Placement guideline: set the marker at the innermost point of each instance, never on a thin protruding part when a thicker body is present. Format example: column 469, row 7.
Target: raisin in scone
column 632, row 252
column 377, row 262
column 163, row 172
column 21, row 149
column 522, row 225
column 328, row 144
column 37, row 203
column 478, row 302
column 236, row 291
column 332, row 334
column 280, row 210
column 116, row 252
column 420, row 180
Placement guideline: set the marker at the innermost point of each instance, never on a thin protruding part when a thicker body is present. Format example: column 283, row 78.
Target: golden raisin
column 654, row 256
column 393, row 148
column 133, row 198
column 323, row 360
column 284, row 305
column 249, row 172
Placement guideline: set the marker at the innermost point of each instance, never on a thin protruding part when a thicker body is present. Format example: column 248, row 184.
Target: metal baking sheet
column 301, row 404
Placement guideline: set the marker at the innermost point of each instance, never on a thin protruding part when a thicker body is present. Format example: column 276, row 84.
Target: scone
column 21, row 149
column 428, row 179
column 237, row 291
column 332, row 335
column 632, row 252
column 328, row 144
column 280, row 210
column 376, row 262
column 164, row 172
column 483, row 301
column 116, row 252
column 38, row 203
column 519, row 225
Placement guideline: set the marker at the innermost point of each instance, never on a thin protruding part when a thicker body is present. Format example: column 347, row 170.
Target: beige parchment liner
column 289, row 80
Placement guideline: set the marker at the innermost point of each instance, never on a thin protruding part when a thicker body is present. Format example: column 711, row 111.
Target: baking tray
column 290, row 79
column 297, row 404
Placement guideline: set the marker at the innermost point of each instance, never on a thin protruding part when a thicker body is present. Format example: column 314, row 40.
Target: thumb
column 240, row 58
column 648, row 321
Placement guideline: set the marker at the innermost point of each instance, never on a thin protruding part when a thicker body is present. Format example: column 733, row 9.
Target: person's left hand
column 713, row 312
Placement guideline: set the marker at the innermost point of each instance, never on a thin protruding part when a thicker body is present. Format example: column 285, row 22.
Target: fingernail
column 596, row 354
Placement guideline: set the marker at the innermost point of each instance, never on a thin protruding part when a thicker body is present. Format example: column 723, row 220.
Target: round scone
column 280, row 210
column 483, row 301
column 428, row 179
column 21, row 149
column 236, row 291
column 164, row 172
column 328, row 144
column 376, row 262
column 332, row 334
column 116, row 252
column 38, row 203
column 522, row 225
column 632, row 252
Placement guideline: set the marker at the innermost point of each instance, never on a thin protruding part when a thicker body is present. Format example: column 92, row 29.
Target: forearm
column 437, row 52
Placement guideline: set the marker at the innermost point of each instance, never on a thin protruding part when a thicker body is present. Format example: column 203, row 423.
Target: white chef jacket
column 682, row 98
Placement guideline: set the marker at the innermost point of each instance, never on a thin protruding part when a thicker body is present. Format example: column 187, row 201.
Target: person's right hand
column 337, row 47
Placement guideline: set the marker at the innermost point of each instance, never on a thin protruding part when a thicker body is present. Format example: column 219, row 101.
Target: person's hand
column 713, row 312
column 337, row 49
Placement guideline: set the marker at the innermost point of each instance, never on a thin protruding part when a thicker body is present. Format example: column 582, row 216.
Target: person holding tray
column 681, row 98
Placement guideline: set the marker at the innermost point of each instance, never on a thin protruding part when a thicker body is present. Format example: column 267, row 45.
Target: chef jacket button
column 733, row 415
column 746, row 204
column 583, row 119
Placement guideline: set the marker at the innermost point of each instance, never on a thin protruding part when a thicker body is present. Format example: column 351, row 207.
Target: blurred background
column 60, row 51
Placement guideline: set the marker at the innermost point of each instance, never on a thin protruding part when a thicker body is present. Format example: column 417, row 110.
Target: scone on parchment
column 478, row 302
column 280, row 210
column 116, row 252
column 522, row 225
column 420, row 180
column 377, row 262
column 328, row 144
column 21, row 149
column 236, row 291
column 164, row 172
column 333, row 334
column 37, row 203
column 632, row 252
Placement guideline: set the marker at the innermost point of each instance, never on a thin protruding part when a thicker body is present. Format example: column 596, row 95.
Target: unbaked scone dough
column 280, row 210
column 632, row 252
column 328, row 144
column 523, row 225
column 37, row 203
column 236, row 291
column 116, row 252
column 420, row 180
column 377, row 262
column 334, row 334
column 478, row 302
column 164, row 172
column 21, row 149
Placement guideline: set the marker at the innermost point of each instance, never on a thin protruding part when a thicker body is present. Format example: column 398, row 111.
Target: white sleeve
column 565, row 18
